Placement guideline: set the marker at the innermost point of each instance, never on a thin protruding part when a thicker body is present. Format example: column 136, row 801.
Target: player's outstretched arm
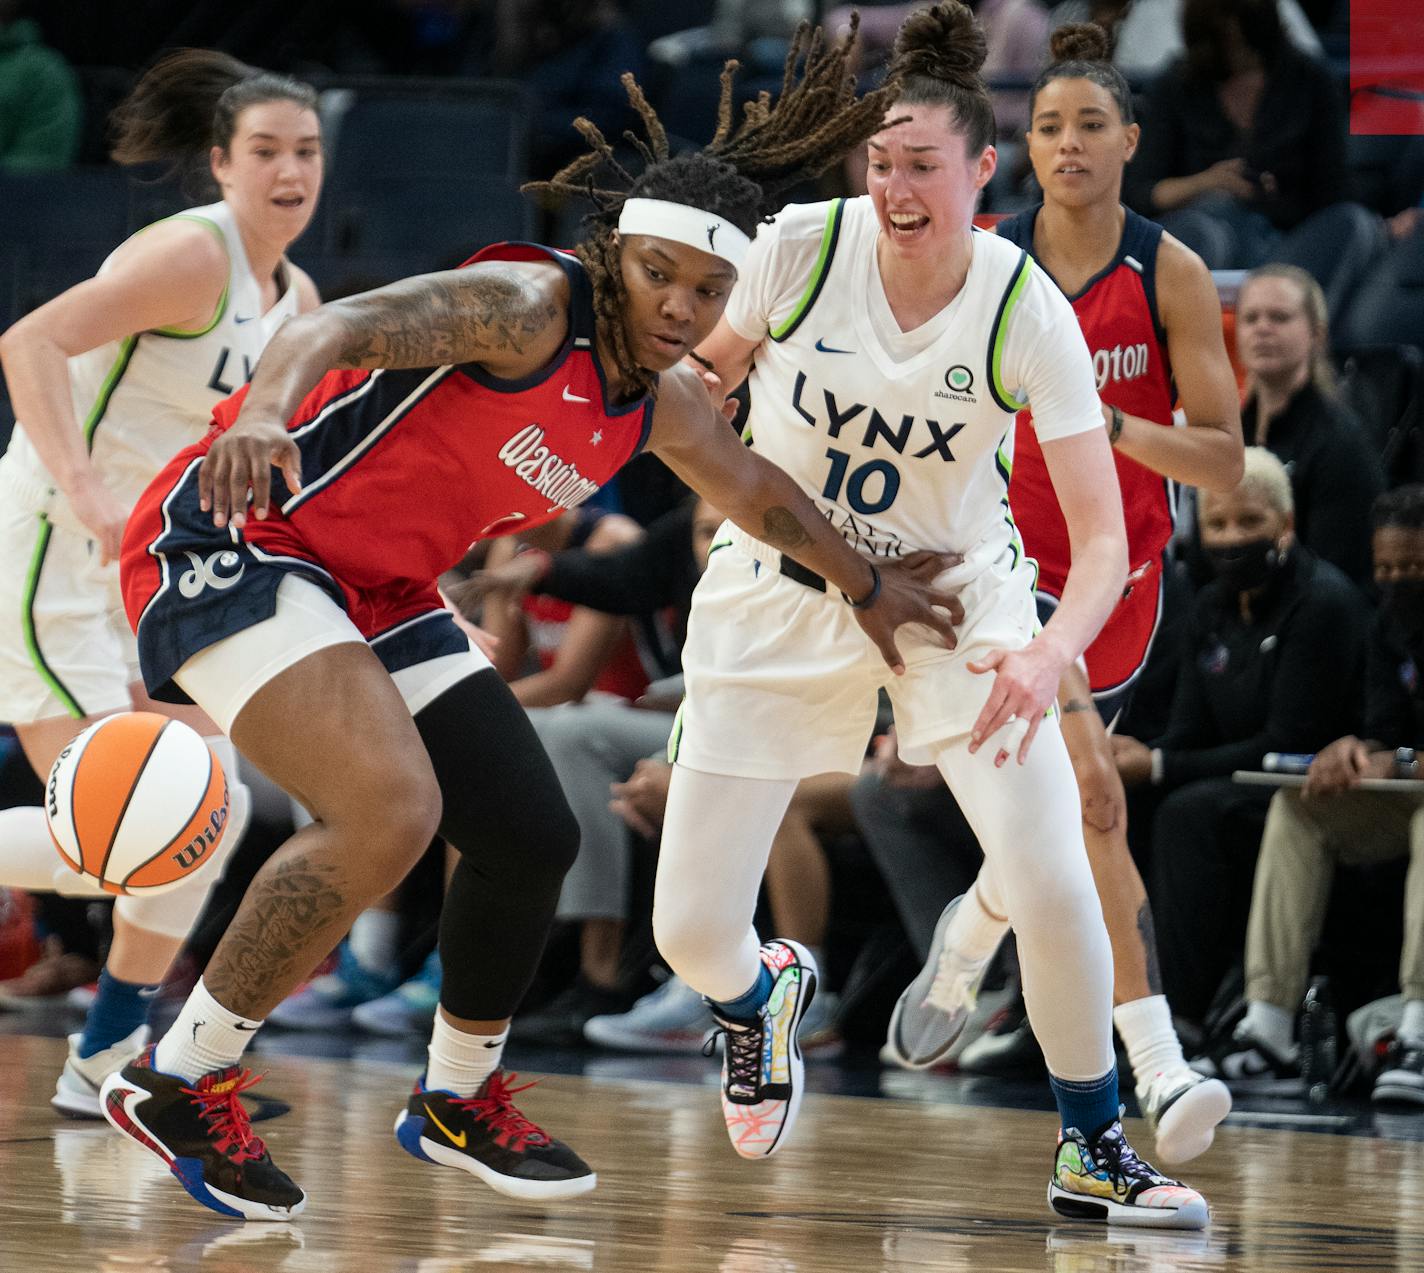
column 701, row 449
column 510, row 318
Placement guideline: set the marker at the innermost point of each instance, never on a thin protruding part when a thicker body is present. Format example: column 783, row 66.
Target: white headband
column 684, row 224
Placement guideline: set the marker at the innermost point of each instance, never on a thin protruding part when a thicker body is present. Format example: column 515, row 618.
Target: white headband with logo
column 684, row 224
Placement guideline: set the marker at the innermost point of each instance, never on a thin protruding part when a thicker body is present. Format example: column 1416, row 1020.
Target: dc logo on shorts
column 204, row 573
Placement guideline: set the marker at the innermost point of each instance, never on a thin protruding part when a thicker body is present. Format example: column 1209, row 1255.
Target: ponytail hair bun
column 943, row 42
column 1079, row 42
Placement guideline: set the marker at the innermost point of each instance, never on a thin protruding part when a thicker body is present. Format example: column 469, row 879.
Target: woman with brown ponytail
column 893, row 348
column 108, row 380
column 1150, row 313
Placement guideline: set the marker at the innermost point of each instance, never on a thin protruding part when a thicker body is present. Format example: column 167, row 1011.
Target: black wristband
column 1115, row 431
column 869, row 599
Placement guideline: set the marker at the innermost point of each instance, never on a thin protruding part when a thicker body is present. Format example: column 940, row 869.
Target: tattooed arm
column 702, row 449
column 510, row 317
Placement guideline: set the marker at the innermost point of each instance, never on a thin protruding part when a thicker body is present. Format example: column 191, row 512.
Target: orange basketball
column 137, row 803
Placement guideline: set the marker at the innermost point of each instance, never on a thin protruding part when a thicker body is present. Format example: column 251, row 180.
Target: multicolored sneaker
column 1104, row 1179
column 930, row 1014
column 204, row 1135
column 1401, row 1078
column 77, row 1091
column 1183, row 1108
column 327, row 1002
column 487, row 1136
column 762, row 1068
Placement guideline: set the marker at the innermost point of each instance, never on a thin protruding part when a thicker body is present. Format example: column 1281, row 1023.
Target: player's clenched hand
column 511, row 579
column 909, row 594
column 242, row 459
column 1025, row 683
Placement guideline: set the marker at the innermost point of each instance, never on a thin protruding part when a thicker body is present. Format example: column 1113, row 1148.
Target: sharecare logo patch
column 551, row 475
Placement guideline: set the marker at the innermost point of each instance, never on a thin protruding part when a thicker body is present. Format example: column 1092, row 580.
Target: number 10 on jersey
column 861, row 488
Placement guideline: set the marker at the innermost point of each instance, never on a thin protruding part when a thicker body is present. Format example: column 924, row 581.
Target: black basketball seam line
column 153, row 857
column 73, row 821
column 119, row 821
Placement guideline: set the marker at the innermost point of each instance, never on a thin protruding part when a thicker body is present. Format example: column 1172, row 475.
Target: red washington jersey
column 1117, row 311
column 402, row 471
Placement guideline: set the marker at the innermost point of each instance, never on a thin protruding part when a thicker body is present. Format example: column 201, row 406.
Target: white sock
column 460, row 1062
column 1411, row 1026
column 1152, row 1044
column 975, row 932
column 205, row 1037
column 373, row 939
column 1270, row 1025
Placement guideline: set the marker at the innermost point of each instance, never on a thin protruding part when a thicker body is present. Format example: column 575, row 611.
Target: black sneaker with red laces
column 487, row 1136
column 203, row 1133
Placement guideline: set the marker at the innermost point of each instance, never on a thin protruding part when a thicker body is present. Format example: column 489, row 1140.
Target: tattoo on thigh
column 285, row 916
column 1148, row 933
column 781, row 528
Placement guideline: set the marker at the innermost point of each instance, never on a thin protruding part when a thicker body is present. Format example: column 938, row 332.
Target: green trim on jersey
column 719, row 543
column 106, row 389
column 1005, row 465
column 999, row 332
column 27, row 622
column 179, row 333
column 830, row 236
column 675, row 738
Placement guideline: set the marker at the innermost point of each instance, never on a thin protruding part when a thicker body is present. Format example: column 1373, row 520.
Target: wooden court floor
column 867, row 1186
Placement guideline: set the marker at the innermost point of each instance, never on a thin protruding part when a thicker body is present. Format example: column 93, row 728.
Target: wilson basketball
column 137, row 803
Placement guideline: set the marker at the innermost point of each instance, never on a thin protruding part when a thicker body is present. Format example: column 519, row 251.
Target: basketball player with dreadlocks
column 380, row 436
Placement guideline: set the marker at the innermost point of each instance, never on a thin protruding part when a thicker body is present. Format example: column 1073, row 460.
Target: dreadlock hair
column 739, row 175
column 937, row 57
column 1080, row 52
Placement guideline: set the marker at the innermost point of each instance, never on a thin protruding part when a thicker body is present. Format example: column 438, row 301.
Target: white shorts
column 66, row 648
column 425, row 655
column 783, row 683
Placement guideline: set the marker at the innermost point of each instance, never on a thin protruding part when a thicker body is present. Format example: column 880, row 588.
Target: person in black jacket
column 1272, row 662
column 1292, row 409
column 1331, row 820
column 1245, row 136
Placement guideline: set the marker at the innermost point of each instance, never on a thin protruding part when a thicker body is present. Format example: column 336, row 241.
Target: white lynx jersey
column 141, row 399
column 904, row 440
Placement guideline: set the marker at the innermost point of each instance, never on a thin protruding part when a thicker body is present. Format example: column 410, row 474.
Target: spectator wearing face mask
column 1331, row 821
column 1272, row 661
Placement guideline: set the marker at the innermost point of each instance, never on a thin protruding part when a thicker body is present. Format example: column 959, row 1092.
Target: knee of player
column 687, row 936
column 1101, row 796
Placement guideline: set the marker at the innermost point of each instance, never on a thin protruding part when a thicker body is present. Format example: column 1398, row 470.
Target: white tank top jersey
column 141, row 399
column 904, row 440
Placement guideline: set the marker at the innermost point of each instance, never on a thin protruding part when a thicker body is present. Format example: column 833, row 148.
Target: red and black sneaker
column 203, row 1133
column 487, row 1136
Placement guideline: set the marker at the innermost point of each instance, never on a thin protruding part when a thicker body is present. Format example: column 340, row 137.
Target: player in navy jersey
column 281, row 574
column 1151, row 316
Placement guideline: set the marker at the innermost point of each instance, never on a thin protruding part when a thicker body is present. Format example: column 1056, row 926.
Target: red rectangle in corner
column 1387, row 67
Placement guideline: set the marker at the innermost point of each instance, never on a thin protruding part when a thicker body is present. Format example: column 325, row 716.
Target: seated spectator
column 1331, row 822
column 1272, row 662
column 1147, row 34
column 1242, row 139
column 758, row 30
column 1293, row 411
column 41, row 107
column 550, row 651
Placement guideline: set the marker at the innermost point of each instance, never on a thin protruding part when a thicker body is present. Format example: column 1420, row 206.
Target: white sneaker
column 77, row 1091
column 1183, row 1108
column 672, row 1018
column 932, row 1010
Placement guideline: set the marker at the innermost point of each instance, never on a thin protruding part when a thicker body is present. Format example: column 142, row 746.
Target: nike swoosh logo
column 457, row 1141
column 240, row 321
column 572, row 397
column 248, row 1028
column 498, row 1043
column 824, row 348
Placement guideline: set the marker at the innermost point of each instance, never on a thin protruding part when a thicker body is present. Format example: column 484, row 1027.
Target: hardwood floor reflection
column 867, row 1186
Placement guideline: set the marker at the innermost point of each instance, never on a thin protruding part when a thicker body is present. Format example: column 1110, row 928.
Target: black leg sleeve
column 506, row 815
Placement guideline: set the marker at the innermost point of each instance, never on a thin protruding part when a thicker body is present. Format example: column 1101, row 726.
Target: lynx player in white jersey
column 108, row 381
column 892, row 347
